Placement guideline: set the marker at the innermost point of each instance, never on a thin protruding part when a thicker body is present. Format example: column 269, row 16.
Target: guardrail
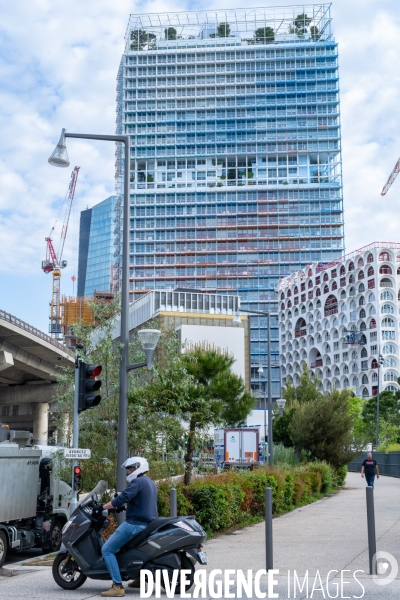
column 4, row 316
column 388, row 464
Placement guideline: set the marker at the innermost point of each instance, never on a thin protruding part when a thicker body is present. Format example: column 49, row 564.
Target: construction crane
column 54, row 262
column 392, row 177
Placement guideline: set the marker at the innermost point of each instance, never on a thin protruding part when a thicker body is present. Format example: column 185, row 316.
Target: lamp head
column 237, row 319
column 149, row 339
column 281, row 403
column 59, row 157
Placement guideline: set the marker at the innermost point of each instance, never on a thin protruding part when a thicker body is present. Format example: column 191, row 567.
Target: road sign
column 77, row 453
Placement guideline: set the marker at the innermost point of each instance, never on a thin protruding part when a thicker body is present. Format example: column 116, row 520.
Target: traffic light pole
column 75, row 434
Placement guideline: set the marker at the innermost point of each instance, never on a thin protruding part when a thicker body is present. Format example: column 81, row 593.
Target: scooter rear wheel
column 66, row 572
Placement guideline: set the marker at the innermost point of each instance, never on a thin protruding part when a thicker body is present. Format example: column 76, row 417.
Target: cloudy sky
column 58, row 65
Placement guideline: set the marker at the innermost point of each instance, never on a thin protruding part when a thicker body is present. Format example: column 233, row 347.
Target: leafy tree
column 323, row 427
column 306, row 391
column 281, row 428
column 170, row 33
column 214, row 396
column 223, row 30
column 314, row 33
column 140, row 38
column 265, row 35
column 388, row 412
column 301, row 24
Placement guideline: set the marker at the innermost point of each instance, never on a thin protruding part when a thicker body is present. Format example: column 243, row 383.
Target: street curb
column 13, row 572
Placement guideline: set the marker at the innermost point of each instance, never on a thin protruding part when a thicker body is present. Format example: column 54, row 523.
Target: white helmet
column 141, row 466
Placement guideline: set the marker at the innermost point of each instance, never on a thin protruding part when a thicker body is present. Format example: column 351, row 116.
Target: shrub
column 238, row 498
column 339, row 475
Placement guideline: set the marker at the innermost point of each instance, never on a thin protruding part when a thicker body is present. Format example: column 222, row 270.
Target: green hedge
column 237, row 498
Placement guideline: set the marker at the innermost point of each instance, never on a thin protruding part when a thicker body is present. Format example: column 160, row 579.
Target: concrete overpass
column 28, row 372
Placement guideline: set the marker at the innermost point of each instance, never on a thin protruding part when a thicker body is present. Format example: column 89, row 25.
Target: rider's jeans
column 121, row 536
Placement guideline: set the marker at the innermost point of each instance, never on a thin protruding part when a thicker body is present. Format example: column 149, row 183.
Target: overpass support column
column 40, row 423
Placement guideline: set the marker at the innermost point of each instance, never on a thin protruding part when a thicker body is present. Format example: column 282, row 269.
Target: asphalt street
column 323, row 541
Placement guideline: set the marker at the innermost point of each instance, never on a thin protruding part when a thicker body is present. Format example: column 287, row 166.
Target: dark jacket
column 141, row 499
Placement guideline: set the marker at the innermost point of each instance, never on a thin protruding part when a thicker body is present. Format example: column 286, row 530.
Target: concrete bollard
column 269, row 551
column 173, row 503
column 371, row 530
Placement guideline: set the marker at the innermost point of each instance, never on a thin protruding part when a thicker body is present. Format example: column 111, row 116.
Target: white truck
column 34, row 501
column 241, row 448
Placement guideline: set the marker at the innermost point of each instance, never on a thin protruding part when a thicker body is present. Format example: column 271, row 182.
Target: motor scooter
column 167, row 543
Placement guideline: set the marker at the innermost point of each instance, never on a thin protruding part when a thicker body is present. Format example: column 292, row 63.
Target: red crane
column 392, row 177
column 54, row 263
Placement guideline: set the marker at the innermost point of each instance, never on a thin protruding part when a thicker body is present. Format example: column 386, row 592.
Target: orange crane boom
column 392, row 177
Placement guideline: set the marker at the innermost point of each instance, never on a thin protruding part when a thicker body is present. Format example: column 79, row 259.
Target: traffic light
column 381, row 360
column 77, row 478
column 88, row 386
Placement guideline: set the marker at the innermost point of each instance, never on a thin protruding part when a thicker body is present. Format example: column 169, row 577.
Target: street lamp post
column 59, row 158
column 261, row 372
column 267, row 315
column 380, row 363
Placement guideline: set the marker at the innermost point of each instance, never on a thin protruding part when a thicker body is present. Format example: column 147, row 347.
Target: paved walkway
column 328, row 535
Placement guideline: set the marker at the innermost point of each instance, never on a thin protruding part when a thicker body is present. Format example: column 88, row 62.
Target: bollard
column 371, row 530
column 269, row 556
column 173, row 504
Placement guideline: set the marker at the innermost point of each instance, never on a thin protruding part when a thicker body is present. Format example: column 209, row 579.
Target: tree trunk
column 189, row 454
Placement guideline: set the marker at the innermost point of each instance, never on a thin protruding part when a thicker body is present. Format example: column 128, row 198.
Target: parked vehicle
column 166, row 544
column 241, row 448
column 34, row 502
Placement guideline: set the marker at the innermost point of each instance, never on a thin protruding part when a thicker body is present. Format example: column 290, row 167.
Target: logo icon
column 386, row 568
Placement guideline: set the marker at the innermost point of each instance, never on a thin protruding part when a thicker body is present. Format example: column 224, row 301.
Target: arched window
column 371, row 297
column 386, row 295
column 363, row 326
column 372, row 310
column 354, row 355
column 345, row 383
column 325, row 277
column 289, row 304
column 289, row 293
column 352, row 278
column 372, row 324
column 370, row 271
column 344, row 320
column 361, row 288
column 374, row 363
column 283, row 306
column 390, row 388
column 362, row 314
column 364, row 353
column 385, row 256
column 310, row 284
column 331, row 305
column 363, row 339
column 296, row 290
column 389, row 349
column 390, row 362
column 398, row 270
column 385, row 270
column 310, row 272
column 388, row 322
column 351, row 266
column 352, row 291
column 342, row 270
column 361, row 301
column 334, row 286
column 360, row 263
column 365, row 393
column 326, row 289
column 360, row 275
column 365, row 379
column 374, row 378
column 370, row 258
column 387, row 309
column 318, row 292
column 346, row 369
column 385, row 282
column 352, row 305
column 390, row 376
column 282, row 296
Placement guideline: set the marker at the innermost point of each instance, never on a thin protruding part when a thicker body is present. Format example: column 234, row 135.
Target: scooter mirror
column 105, row 513
column 95, row 497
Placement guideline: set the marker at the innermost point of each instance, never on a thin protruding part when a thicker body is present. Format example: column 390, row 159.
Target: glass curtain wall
column 235, row 153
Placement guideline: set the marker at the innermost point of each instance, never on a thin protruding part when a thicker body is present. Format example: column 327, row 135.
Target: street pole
column 270, row 446
column 75, row 435
column 122, row 449
column 266, row 448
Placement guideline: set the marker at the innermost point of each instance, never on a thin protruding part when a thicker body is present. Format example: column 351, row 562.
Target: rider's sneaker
column 136, row 584
column 115, row 590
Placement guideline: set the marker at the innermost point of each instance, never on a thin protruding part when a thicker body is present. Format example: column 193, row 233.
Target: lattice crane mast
column 392, row 177
column 54, row 263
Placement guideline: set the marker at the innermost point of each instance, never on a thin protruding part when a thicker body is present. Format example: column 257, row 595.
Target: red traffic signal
column 76, row 484
column 88, row 386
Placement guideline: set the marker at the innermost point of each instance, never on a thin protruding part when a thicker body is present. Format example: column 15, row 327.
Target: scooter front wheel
column 66, row 572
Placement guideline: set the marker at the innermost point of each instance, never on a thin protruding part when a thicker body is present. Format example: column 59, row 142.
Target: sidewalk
column 329, row 534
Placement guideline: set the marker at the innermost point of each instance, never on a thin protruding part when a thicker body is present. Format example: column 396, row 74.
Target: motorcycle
column 167, row 543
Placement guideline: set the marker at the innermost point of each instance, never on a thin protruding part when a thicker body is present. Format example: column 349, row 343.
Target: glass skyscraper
column 96, row 248
column 235, row 154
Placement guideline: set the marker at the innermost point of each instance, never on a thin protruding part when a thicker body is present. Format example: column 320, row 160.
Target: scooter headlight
column 67, row 524
column 183, row 525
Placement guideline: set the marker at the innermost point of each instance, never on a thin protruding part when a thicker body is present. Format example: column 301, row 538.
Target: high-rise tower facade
column 235, row 153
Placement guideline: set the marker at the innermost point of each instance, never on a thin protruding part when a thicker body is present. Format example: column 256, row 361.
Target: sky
column 58, row 68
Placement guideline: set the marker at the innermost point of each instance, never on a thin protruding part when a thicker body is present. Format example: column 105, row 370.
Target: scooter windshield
column 100, row 488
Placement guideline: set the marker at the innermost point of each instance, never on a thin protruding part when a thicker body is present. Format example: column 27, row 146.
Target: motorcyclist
column 140, row 498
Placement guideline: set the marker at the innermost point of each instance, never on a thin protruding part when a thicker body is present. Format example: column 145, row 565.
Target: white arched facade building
column 322, row 304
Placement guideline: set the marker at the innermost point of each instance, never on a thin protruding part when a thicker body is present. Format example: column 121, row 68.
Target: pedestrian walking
column 370, row 469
